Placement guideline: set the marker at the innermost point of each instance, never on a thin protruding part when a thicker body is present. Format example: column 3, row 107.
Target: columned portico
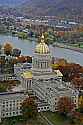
column 42, row 63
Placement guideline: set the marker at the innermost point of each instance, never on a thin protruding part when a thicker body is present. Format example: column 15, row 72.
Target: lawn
column 54, row 118
column 57, row 119
column 77, row 45
column 81, row 45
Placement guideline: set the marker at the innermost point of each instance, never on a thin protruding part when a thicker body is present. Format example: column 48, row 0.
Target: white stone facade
column 10, row 104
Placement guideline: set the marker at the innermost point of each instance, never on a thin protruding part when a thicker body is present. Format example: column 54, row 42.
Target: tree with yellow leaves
column 8, row 48
column 81, row 103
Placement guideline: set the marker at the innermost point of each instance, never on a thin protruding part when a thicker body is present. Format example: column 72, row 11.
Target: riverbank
column 28, row 48
column 68, row 47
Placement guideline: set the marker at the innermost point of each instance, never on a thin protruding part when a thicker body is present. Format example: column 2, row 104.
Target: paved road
column 46, row 119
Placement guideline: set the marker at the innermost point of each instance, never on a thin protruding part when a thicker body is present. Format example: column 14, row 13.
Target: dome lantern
column 42, row 38
column 42, row 47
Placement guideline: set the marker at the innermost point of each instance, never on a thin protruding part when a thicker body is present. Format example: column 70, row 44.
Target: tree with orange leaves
column 61, row 33
column 77, row 82
column 29, row 108
column 81, row 69
column 28, row 59
column 21, row 59
column 69, row 70
column 8, row 48
column 65, row 105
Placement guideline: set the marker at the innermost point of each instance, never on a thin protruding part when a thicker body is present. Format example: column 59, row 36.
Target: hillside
column 66, row 8
column 11, row 3
column 52, row 7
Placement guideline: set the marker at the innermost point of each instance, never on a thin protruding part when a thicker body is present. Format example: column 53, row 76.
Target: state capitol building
column 45, row 84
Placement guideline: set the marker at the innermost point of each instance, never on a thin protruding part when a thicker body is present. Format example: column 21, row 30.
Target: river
column 28, row 47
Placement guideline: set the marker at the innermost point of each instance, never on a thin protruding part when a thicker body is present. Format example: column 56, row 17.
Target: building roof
column 12, row 92
column 27, row 75
column 58, row 73
column 17, row 88
column 42, row 47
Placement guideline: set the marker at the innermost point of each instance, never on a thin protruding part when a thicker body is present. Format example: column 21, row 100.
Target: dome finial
column 42, row 38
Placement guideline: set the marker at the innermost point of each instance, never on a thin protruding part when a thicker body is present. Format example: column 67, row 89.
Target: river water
column 28, row 47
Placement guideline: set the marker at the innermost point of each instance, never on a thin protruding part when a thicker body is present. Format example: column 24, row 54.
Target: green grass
column 81, row 46
column 77, row 45
column 56, row 119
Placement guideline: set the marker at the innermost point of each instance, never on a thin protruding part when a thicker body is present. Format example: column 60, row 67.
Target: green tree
column 3, row 88
column 22, row 35
column 49, row 37
column 80, row 104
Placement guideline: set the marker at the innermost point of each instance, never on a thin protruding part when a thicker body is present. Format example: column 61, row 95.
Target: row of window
column 11, row 113
column 12, row 101
column 9, row 108
column 17, row 105
column 51, row 79
column 11, row 104
column 43, row 108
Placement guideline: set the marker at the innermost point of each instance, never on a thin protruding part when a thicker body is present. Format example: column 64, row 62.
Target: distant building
column 7, row 66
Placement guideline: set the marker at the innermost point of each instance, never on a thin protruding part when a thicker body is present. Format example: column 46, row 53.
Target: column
column 41, row 65
column 44, row 64
column 38, row 65
column 26, row 87
column 34, row 63
column 31, row 85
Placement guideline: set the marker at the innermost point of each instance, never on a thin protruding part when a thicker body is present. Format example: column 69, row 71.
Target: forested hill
column 52, row 7
column 46, row 7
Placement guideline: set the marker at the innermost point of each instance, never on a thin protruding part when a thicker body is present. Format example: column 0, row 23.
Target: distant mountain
column 66, row 8
column 39, row 7
column 52, row 7
column 8, row 7
column 11, row 2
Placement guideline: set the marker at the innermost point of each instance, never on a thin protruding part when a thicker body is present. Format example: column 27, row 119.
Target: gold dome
column 42, row 47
